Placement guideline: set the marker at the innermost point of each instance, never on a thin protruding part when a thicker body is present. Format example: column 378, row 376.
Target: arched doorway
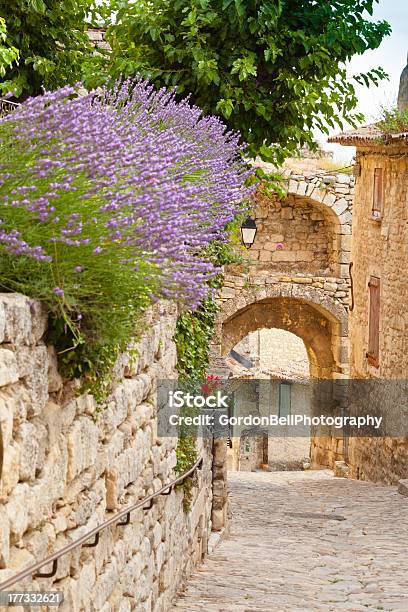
column 320, row 322
column 270, row 375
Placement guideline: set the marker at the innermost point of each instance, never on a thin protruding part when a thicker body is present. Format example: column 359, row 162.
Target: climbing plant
column 194, row 333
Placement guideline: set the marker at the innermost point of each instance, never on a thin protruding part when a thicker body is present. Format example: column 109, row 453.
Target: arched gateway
column 297, row 279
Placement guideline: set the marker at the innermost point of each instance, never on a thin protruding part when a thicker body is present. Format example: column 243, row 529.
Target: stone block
column 54, row 378
column 269, row 246
column 293, row 187
column 20, row 557
column 346, row 217
column 123, row 605
column 82, row 446
column 49, row 487
column 126, row 470
column 87, row 501
column 218, row 519
column 287, row 213
column 105, row 584
column 8, row 367
column 25, row 319
column 227, row 292
column 345, row 243
column 159, row 557
column 10, row 471
column 265, row 256
column 26, row 436
column 305, row 255
column 33, row 364
column 2, row 322
column 7, row 411
column 284, row 255
column 4, row 540
column 329, row 199
column 344, row 271
column 403, row 487
column 302, row 188
column 344, row 257
column 340, row 206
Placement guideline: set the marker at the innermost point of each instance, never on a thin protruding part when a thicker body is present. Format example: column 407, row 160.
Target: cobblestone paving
column 280, row 557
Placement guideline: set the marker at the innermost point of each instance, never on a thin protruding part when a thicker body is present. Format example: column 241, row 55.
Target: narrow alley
column 306, row 541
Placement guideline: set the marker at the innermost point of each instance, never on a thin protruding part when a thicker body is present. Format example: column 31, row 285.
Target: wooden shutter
column 373, row 353
column 378, row 199
column 284, row 399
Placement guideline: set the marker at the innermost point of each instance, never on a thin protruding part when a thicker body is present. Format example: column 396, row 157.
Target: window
column 378, row 198
column 373, row 353
column 284, row 399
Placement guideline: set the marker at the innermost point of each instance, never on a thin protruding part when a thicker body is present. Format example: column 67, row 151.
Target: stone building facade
column 378, row 318
column 297, row 279
column 66, row 468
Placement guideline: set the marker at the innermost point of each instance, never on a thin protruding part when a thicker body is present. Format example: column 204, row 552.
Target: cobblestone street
column 306, row 541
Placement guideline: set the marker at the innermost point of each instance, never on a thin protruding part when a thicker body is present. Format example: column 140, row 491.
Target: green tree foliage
column 273, row 69
column 52, row 41
column 8, row 53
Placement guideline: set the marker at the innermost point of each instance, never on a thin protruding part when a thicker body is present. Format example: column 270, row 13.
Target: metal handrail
column 32, row 570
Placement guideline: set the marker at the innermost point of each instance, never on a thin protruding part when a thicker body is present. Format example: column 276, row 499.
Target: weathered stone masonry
column 297, row 279
column 66, row 468
column 380, row 250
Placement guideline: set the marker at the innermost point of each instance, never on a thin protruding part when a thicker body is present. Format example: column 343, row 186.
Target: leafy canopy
column 52, row 41
column 8, row 53
column 274, row 69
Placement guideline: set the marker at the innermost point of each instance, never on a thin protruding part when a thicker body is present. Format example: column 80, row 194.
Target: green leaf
column 273, row 70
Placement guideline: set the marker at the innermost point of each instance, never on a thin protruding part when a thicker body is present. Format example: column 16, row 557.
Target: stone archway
column 308, row 312
column 289, row 314
column 313, row 316
column 296, row 278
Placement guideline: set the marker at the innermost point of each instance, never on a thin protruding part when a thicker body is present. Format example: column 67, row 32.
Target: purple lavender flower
column 130, row 168
column 58, row 291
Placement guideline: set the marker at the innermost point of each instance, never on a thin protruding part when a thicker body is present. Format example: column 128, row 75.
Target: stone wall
column 67, row 467
column 292, row 230
column 379, row 248
column 309, row 230
column 275, row 350
column 282, row 352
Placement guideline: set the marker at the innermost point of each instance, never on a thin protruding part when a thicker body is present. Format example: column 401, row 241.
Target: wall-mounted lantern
column 248, row 232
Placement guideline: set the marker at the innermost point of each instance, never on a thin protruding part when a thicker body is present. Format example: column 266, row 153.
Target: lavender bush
column 108, row 201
